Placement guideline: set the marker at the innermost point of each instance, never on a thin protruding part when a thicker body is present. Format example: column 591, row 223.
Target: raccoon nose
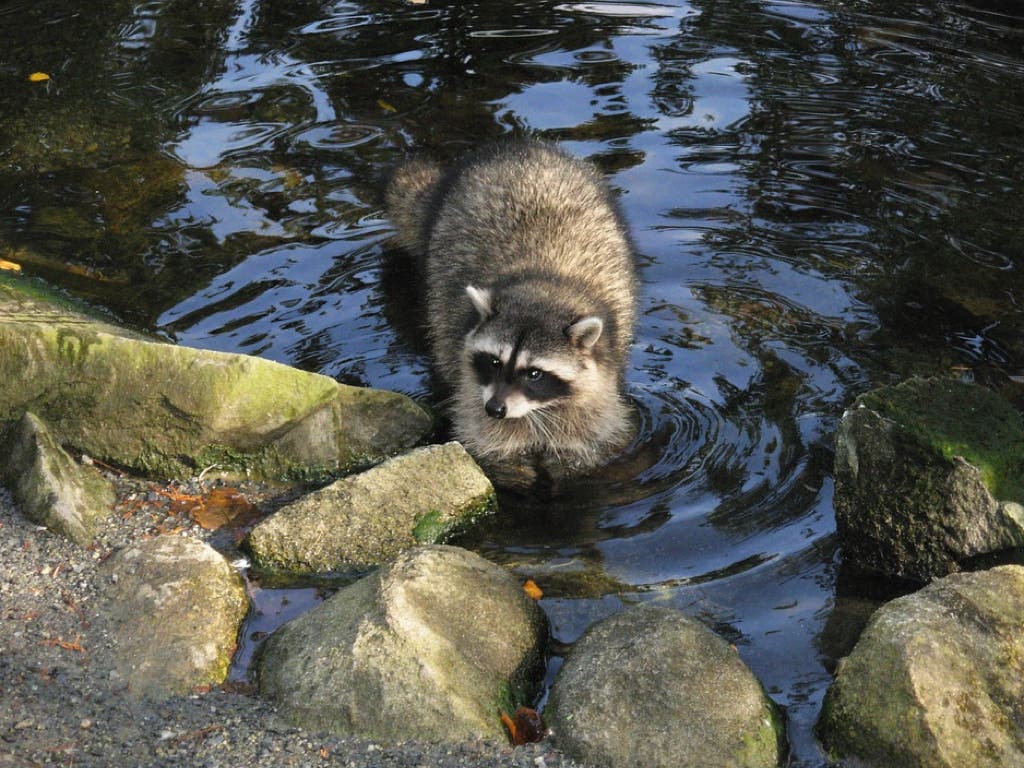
column 495, row 409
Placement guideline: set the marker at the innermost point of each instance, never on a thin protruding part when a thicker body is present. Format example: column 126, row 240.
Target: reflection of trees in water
column 141, row 80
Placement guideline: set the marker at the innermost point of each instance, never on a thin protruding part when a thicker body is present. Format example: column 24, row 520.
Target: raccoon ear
column 481, row 298
column 586, row 331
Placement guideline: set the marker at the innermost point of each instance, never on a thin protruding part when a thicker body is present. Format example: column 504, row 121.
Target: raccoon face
column 521, row 368
column 512, row 383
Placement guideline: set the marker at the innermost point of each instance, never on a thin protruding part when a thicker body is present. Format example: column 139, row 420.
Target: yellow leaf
column 38, row 77
column 385, row 106
column 10, row 265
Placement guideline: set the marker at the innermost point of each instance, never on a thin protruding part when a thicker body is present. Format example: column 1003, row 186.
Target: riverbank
column 60, row 709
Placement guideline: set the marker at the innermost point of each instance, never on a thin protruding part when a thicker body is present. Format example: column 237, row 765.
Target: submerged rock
column 174, row 606
column 49, row 486
column 430, row 647
column 928, row 473
column 937, row 678
column 366, row 519
column 651, row 687
column 169, row 411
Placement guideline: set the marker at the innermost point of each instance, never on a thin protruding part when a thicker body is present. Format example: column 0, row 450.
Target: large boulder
column 173, row 606
column 936, row 680
column 651, row 687
column 169, row 411
column 50, row 487
column 431, row 647
column 421, row 497
column 928, row 473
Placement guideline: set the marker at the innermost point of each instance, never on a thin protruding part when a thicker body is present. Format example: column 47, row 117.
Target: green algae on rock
column 365, row 519
column 928, row 474
column 170, row 411
column 935, row 681
column 955, row 418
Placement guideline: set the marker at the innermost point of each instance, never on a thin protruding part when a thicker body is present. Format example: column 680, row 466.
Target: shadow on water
column 823, row 198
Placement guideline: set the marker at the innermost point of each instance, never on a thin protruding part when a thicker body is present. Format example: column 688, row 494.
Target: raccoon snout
column 495, row 409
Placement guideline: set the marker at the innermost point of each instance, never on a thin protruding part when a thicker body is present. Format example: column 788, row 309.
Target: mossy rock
column 655, row 688
column 170, row 411
column 421, row 497
column 432, row 646
column 956, row 419
column 49, row 486
column 936, row 680
column 928, row 474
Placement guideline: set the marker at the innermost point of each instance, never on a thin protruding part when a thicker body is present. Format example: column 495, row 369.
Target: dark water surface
column 824, row 197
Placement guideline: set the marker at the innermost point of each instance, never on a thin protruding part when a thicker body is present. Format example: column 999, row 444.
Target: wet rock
column 430, row 647
column 937, row 678
column 50, row 487
column 928, row 473
column 169, row 411
column 368, row 518
column 174, row 606
column 651, row 687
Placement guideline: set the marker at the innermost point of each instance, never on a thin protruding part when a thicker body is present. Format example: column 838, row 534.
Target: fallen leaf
column 524, row 727
column 385, row 106
column 220, row 507
column 532, row 590
column 38, row 77
column 10, row 266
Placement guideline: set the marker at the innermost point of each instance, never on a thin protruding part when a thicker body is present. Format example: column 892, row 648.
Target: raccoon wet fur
column 531, row 293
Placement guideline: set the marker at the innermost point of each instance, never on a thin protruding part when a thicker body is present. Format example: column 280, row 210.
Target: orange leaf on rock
column 532, row 590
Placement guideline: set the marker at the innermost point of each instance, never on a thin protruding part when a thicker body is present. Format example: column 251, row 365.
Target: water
column 824, row 197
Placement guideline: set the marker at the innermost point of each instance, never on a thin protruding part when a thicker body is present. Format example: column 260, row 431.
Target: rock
column 430, row 647
column 928, row 473
column 174, row 606
column 49, row 486
column 169, row 411
column 651, row 687
column 937, row 678
column 368, row 518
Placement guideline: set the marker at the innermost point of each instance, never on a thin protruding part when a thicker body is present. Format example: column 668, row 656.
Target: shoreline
column 61, row 708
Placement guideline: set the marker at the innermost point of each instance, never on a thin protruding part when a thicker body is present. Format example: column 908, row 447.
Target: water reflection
column 822, row 197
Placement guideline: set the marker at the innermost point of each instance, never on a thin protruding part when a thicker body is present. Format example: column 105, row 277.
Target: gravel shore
column 59, row 707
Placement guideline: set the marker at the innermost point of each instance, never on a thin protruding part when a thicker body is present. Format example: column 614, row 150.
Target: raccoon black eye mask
column 500, row 382
column 531, row 301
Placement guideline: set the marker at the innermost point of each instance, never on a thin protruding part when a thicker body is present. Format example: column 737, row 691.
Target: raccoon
column 531, row 293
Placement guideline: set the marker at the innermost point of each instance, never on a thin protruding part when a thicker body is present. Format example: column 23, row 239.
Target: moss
column 265, row 462
column 952, row 419
column 434, row 527
column 430, row 528
column 16, row 289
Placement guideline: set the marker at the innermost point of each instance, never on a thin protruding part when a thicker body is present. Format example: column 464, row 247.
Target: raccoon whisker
column 544, row 424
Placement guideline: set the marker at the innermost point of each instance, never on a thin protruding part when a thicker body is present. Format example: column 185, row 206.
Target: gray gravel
column 58, row 707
